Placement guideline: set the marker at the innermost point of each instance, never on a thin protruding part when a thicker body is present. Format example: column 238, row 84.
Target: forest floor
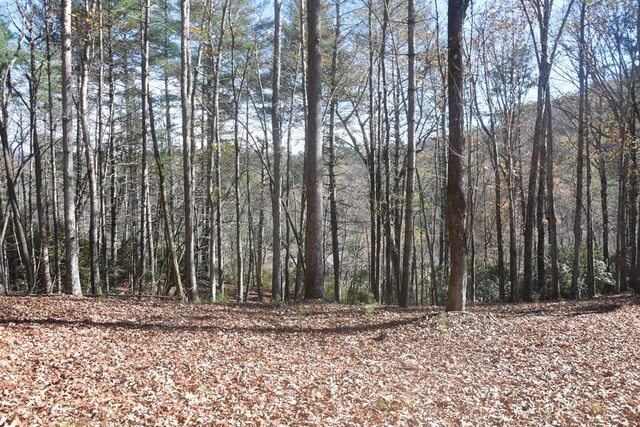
column 86, row 361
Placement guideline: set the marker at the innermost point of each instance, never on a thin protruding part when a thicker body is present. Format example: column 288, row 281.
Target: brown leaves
column 89, row 361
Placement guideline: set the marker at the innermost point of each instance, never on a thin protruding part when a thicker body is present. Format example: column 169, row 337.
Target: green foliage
column 360, row 295
column 369, row 309
column 443, row 321
column 603, row 276
column 442, row 284
column 487, row 283
column 330, row 292
column 383, row 404
column 7, row 43
column 223, row 298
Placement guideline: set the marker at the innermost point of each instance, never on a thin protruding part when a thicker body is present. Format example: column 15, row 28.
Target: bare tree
column 333, row 206
column 538, row 12
column 582, row 129
column 83, row 111
column 407, row 264
column 34, row 82
column 70, row 229
column 276, row 282
column 314, row 273
column 187, row 167
column 456, row 205
column 144, row 179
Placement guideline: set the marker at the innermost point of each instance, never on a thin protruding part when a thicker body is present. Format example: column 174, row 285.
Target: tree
column 314, row 273
column 187, row 167
column 70, row 229
column 83, row 111
column 38, row 151
column 276, row 279
column 545, row 55
column 16, row 216
column 144, row 178
column 407, row 259
column 456, row 205
column 582, row 129
column 213, row 171
column 333, row 204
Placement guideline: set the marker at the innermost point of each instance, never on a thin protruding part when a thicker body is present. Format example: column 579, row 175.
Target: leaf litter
column 70, row 361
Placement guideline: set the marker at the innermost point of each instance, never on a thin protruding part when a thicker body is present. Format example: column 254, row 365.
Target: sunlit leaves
column 71, row 361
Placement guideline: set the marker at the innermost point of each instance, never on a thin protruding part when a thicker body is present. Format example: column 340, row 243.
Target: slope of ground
column 66, row 361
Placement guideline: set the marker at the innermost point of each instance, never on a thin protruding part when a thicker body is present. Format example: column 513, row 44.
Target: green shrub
column 360, row 295
column 330, row 292
column 223, row 298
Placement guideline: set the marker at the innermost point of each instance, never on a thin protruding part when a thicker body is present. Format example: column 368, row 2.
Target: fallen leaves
column 87, row 361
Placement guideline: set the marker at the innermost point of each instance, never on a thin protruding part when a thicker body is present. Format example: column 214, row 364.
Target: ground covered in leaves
column 67, row 361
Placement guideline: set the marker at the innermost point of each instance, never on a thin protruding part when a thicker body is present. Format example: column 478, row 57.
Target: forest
column 338, row 212
column 349, row 150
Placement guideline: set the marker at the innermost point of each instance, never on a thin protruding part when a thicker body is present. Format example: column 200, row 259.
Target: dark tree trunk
column 411, row 163
column 551, row 213
column 582, row 129
column 333, row 205
column 276, row 278
column 456, row 205
column 45, row 269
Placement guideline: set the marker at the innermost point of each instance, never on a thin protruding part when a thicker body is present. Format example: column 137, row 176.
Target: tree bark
column 185, row 96
column 333, row 205
column 71, row 232
column 544, row 70
column 276, row 202
column 582, row 129
column 407, row 256
column 52, row 157
column 551, row 213
column 144, row 179
column 45, row 268
column 456, row 205
column 94, row 209
column 166, row 210
column 314, row 271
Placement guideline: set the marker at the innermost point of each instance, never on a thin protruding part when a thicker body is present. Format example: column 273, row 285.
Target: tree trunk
column 166, row 211
column 144, row 180
column 45, row 270
column 541, row 282
column 582, row 129
column 544, row 70
column 551, row 213
column 185, row 89
column 604, row 200
column 215, row 222
column 94, row 209
column 621, row 234
column 407, row 255
column 333, row 205
column 237, row 90
column 314, row 270
column 276, row 202
column 71, row 232
column 591, row 280
column 456, row 205
column 52, row 158
column 374, row 268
